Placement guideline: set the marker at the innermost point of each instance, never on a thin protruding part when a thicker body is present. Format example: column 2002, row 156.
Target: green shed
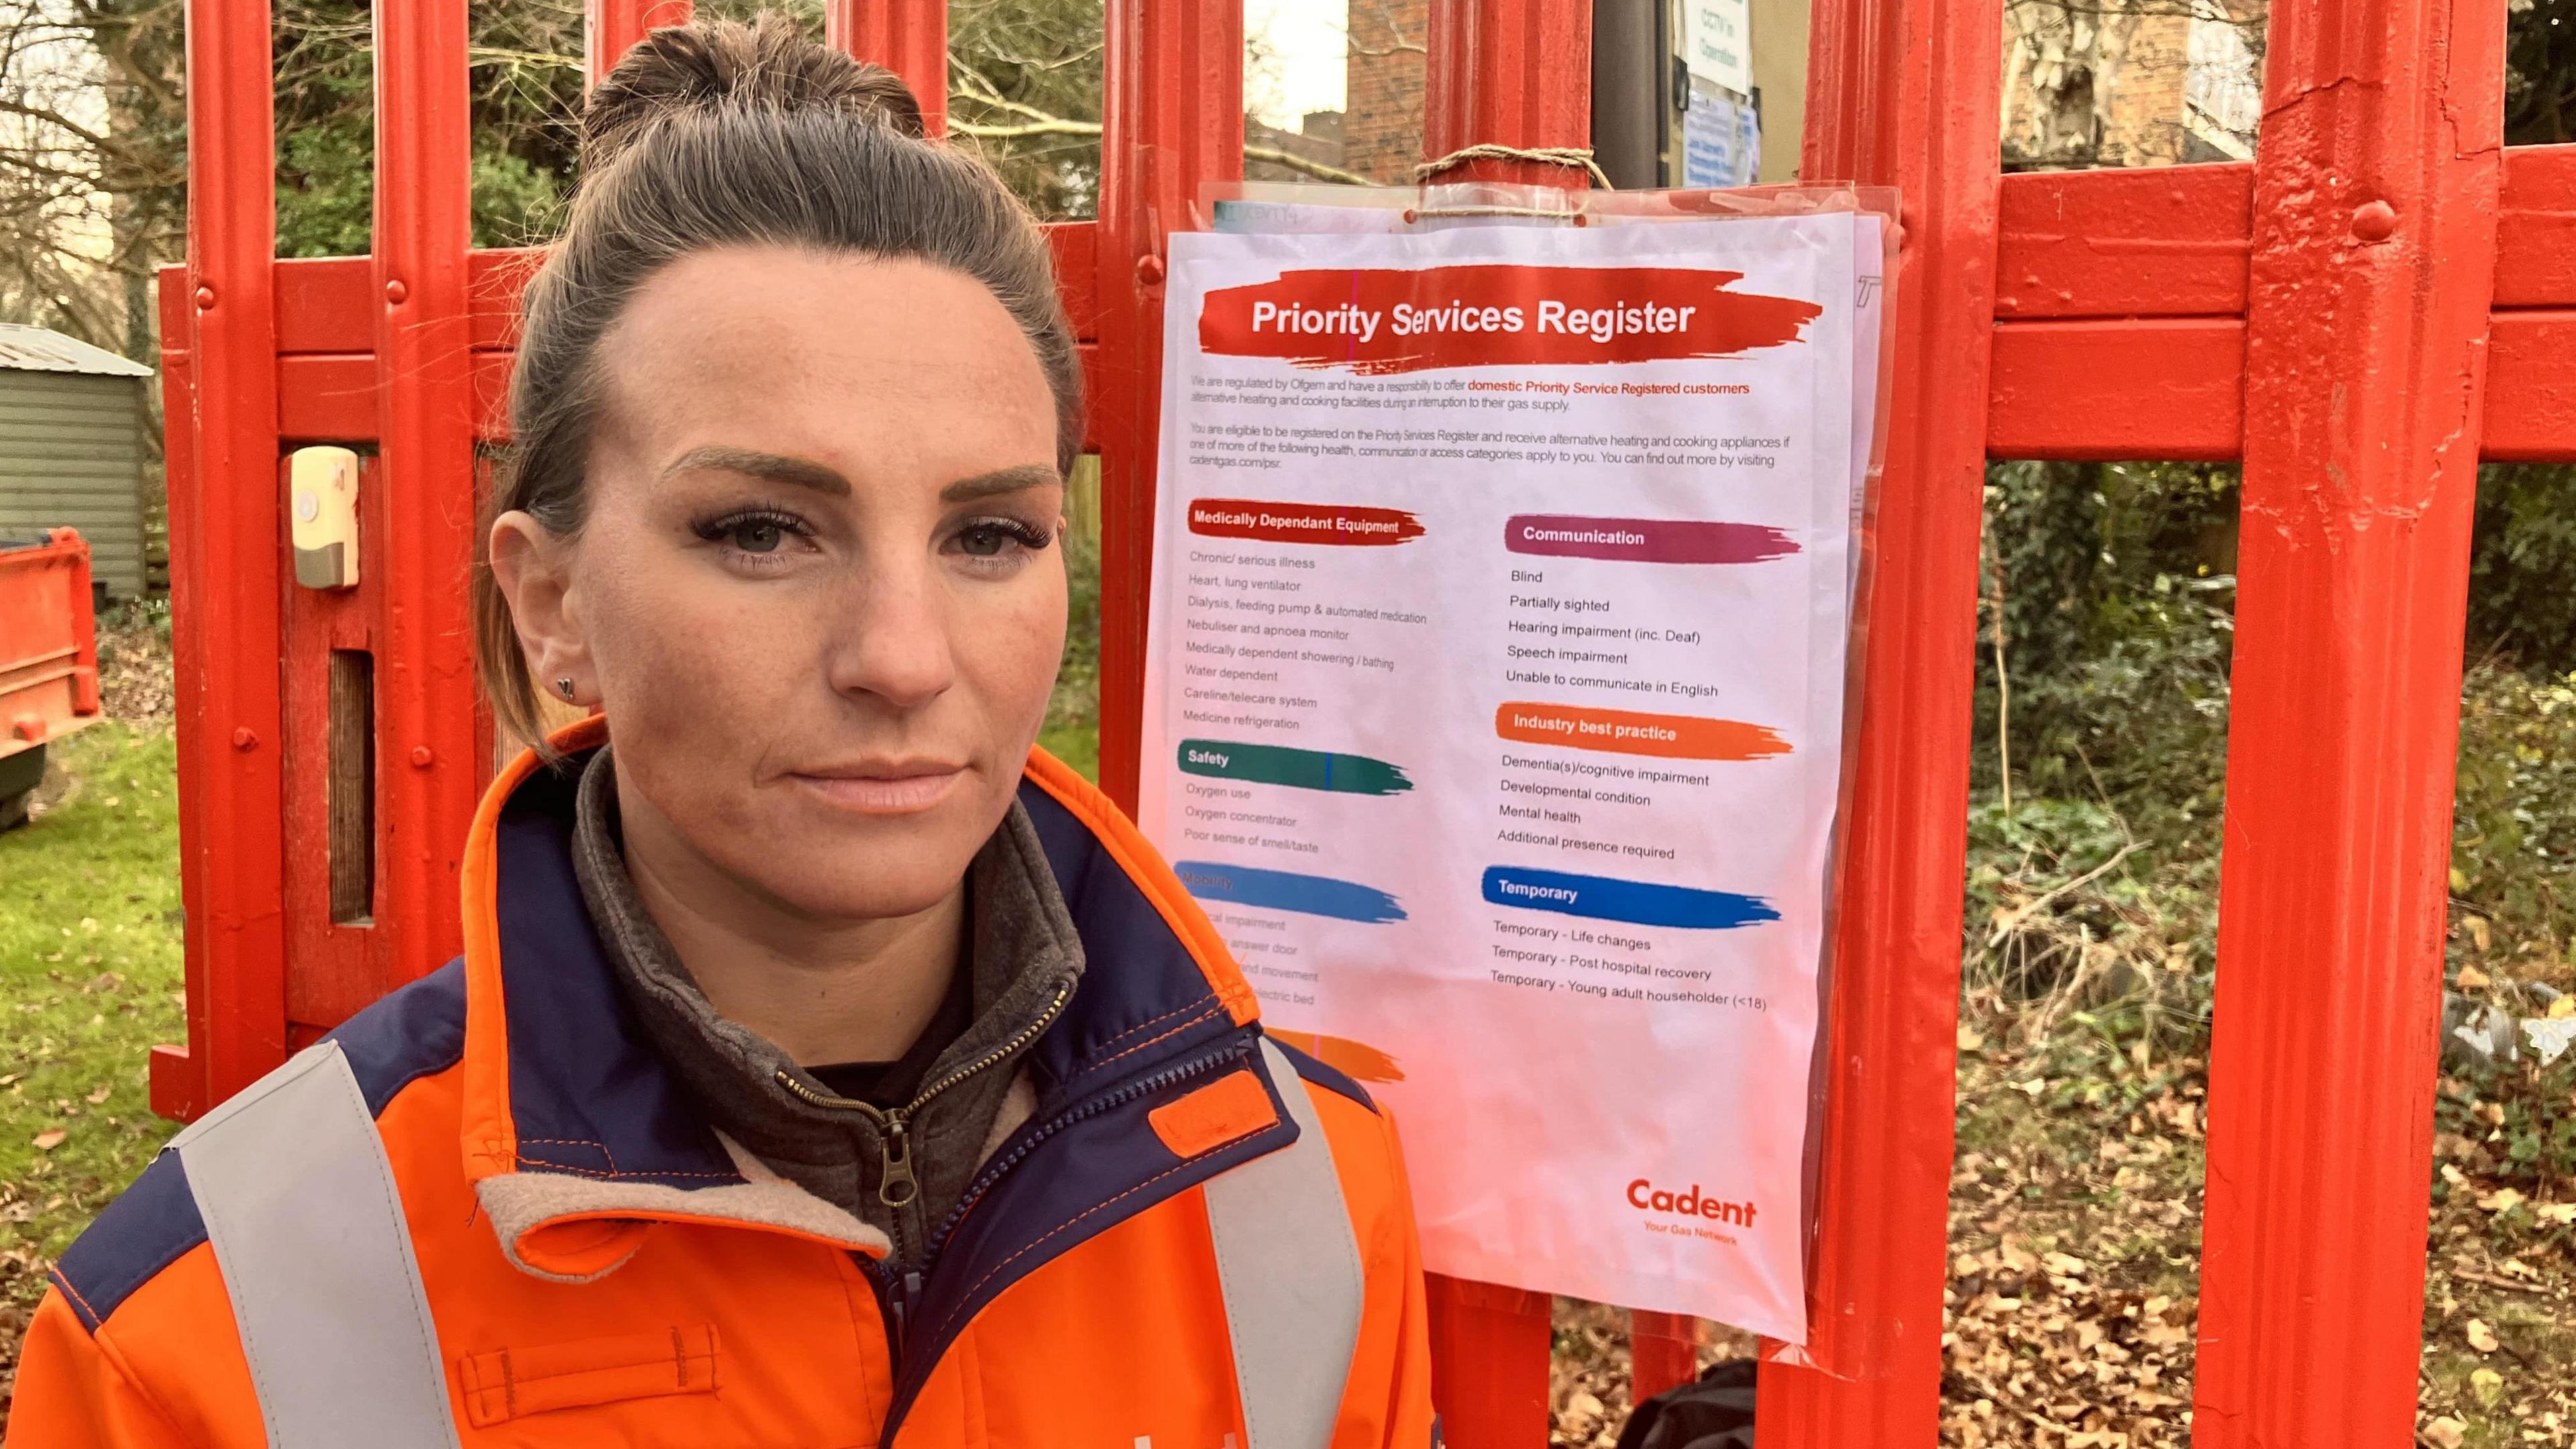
column 71, row 448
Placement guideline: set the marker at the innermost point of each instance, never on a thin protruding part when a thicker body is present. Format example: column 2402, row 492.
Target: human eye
column 998, row 541
column 755, row 537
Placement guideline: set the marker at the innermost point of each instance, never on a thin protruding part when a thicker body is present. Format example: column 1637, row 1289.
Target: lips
column 899, row 787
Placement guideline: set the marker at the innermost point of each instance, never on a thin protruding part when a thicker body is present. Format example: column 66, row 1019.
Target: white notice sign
column 1494, row 710
column 1718, row 43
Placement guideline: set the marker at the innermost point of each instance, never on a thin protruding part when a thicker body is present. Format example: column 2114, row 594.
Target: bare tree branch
column 1033, row 128
column 1306, row 164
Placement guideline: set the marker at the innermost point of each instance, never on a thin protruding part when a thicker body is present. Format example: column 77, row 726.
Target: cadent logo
column 1644, row 1196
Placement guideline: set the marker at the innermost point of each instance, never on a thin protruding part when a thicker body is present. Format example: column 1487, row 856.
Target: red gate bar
column 429, row 759
column 910, row 40
column 612, row 27
column 176, row 1079
column 226, row 536
column 1663, row 1350
column 2371, row 274
column 2119, row 327
column 1507, row 73
column 1488, row 1370
column 1171, row 120
column 2122, row 299
column 1902, row 94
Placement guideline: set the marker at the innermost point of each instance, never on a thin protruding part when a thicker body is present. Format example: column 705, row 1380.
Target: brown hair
column 728, row 134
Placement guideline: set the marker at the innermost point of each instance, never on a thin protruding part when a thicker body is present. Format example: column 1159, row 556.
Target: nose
column 890, row 635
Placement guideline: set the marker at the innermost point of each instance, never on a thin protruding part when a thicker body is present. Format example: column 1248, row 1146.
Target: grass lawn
column 89, row 980
column 1076, row 745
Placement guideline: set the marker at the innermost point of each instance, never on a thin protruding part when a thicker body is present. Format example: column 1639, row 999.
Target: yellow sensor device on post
column 322, row 500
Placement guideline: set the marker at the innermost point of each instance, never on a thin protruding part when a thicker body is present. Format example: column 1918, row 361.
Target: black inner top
column 888, row 1085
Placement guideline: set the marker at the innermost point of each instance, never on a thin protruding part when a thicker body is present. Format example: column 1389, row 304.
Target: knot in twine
column 1545, row 155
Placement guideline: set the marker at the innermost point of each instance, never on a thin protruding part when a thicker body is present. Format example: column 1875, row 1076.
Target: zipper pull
column 895, row 1185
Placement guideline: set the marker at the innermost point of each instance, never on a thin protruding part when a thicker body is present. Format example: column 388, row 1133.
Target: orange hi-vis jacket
column 482, row 1213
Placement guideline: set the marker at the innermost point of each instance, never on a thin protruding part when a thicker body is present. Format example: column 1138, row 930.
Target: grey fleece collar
column 1024, row 956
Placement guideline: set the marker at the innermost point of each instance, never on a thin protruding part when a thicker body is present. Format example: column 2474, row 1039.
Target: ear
column 533, row 566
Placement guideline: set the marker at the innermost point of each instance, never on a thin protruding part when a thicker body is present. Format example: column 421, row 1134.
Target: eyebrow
column 1002, row 480
column 806, row 473
column 752, row 463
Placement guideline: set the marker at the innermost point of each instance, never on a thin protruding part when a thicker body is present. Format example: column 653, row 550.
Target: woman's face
column 818, row 594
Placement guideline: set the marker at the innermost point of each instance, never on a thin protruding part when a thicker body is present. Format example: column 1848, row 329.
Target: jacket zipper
column 1002, row 1163
column 1028, row 1142
column 896, row 1185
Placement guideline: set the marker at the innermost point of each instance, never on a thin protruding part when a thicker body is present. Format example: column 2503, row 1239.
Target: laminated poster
column 1494, row 710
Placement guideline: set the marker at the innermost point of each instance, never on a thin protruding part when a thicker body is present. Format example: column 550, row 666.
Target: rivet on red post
column 395, row 291
column 422, row 757
column 1149, row 270
column 244, row 739
column 2374, row 221
column 205, row 299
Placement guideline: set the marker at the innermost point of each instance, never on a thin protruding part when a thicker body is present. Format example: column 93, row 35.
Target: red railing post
column 908, row 37
column 612, row 27
column 1489, row 1352
column 1663, row 1351
column 428, row 771
column 178, row 1069
column 225, row 538
column 2372, row 270
column 1171, row 120
column 1508, row 73
column 1901, row 93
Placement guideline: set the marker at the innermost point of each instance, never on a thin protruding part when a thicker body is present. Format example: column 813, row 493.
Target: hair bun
column 712, row 67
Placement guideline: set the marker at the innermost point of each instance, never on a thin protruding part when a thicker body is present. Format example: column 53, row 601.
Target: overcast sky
column 1305, row 71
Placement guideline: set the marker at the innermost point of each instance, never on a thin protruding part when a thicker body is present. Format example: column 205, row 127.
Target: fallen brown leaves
column 1588, row 1397
column 2075, row 1234
column 2074, row 1230
column 2071, row 1293
column 134, row 678
column 22, row 1283
column 2035, row 1342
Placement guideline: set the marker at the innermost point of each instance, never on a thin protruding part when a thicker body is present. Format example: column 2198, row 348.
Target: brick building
column 1317, row 139
column 1382, row 77
column 2135, row 83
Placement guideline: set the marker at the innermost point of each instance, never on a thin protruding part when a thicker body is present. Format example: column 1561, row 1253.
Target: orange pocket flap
column 1232, row 1106
column 510, row 1383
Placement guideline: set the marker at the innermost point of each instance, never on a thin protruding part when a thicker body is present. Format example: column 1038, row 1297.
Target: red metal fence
column 2330, row 314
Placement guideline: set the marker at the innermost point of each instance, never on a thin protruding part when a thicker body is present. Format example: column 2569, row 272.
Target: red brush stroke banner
column 1385, row 320
column 1336, row 523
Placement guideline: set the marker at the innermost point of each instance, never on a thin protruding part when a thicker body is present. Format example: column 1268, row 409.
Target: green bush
column 2103, row 683
column 2513, row 843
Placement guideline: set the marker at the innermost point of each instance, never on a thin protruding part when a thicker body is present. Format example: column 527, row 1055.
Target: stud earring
column 563, row 687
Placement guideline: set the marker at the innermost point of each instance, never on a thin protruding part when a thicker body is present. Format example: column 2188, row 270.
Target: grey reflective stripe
column 1291, row 1274
column 300, row 1206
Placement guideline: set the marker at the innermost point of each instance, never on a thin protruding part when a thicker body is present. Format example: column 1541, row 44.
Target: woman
column 825, row 1066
